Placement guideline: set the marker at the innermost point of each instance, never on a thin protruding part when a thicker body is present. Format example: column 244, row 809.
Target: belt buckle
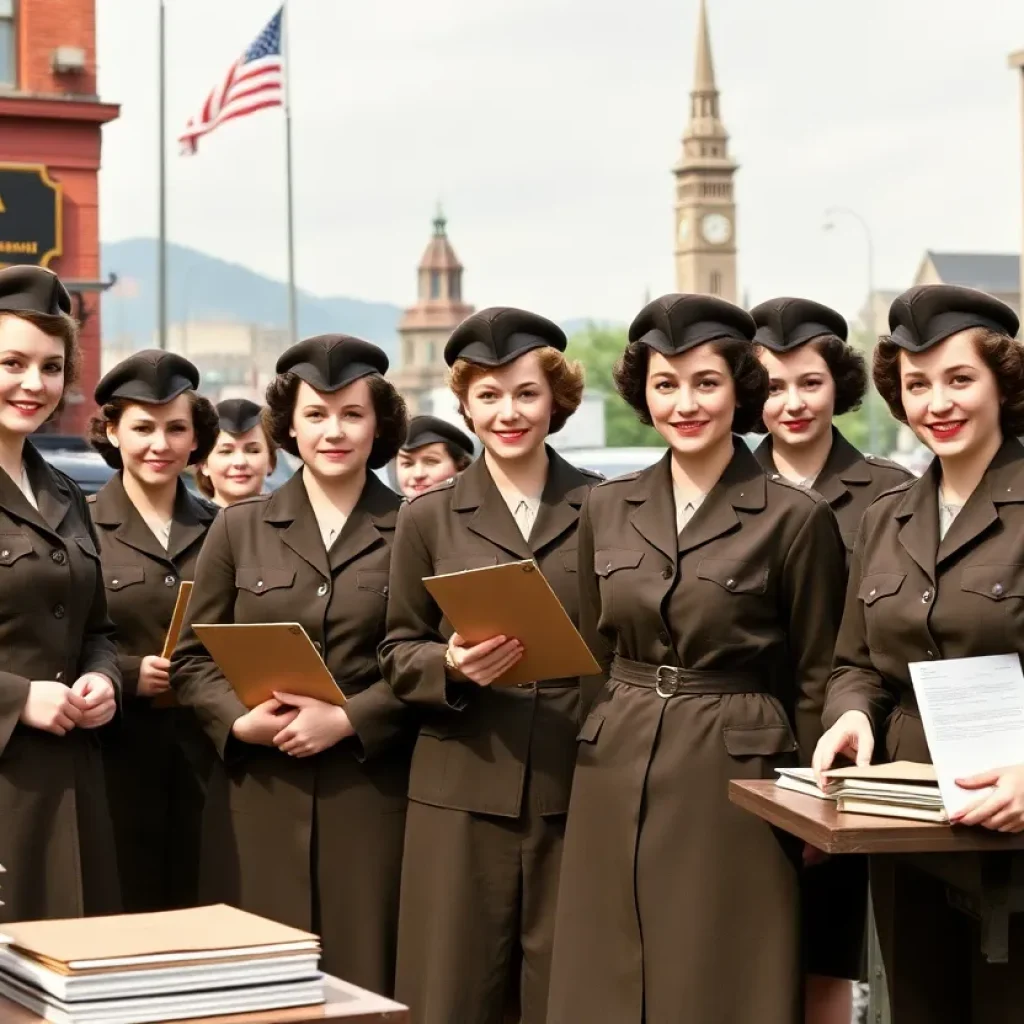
column 673, row 676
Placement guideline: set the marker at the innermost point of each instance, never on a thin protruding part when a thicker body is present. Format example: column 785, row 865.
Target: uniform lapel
column 560, row 503
column 50, row 492
column 191, row 521
column 844, row 465
column 918, row 514
column 476, row 493
column 289, row 508
column 114, row 509
column 376, row 510
column 654, row 516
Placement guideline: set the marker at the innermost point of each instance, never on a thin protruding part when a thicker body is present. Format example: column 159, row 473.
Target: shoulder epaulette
column 898, row 489
column 877, row 460
column 592, row 473
column 625, row 478
column 445, row 485
column 90, row 499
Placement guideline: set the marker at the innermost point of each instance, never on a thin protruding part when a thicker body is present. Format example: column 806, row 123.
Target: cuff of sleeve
column 129, row 664
column 13, row 695
column 378, row 718
column 218, row 718
column 837, row 706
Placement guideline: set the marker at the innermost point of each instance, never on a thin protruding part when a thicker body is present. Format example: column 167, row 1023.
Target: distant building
column 427, row 325
column 997, row 273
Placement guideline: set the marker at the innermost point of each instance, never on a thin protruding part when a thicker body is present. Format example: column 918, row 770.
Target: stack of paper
column 137, row 968
column 902, row 789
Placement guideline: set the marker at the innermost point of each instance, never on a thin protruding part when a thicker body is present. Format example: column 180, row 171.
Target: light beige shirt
column 25, row 487
column 947, row 513
column 685, row 507
column 330, row 526
column 160, row 530
column 524, row 510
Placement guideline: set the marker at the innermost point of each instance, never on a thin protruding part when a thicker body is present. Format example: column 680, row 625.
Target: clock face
column 684, row 230
column 716, row 229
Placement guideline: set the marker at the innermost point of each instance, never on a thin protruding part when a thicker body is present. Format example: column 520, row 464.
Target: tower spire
column 704, row 66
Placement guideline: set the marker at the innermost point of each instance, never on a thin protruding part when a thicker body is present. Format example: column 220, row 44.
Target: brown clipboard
column 177, row 618
column 514, row 600
column 259, row 658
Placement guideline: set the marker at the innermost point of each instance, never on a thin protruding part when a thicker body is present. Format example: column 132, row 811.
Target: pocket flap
column 570, row 559
column 994, row 581
column 459, row 563
column 13, row 547
column 609, row 560
column 259, row 581
column 591, row 728
column 736, row 577
column 373, row 579
column 880, row 584
column 755, row 740
column 117, row 577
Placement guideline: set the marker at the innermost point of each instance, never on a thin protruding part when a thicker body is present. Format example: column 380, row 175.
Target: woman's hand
column 851, row 736
column 52, row 707
column 1002, row 810
column 316, row 726
column 100, row 699
column 484, row 662
column 154, row 676
column 262, row 723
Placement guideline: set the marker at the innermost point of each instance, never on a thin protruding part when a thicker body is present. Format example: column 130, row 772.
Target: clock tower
column 705, row 208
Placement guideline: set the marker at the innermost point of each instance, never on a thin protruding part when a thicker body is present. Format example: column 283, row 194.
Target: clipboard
column 258, row 658
column 177, row 618
column 515, row 600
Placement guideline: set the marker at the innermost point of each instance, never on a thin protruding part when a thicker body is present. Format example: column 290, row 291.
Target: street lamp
column 831, row 213
column 161, row 253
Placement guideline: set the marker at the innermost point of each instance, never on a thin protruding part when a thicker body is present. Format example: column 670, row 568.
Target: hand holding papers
column 514, row 600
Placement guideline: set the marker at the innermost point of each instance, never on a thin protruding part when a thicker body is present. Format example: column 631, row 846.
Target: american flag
column 254, row 82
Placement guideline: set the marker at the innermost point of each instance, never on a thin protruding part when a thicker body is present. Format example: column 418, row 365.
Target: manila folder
column 516, row 601
column 259, row 658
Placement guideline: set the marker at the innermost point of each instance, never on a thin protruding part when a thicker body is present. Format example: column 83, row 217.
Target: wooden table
column 345, row 1002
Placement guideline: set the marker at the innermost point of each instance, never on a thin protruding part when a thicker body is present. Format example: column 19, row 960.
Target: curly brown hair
column 205, row 423
column 749, row 377
column 1003, row 355
column 564, row 376
column 65, row 329
column 205, row 484
column 388, row 407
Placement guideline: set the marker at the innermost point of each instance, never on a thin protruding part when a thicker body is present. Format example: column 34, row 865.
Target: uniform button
column 730, row 584
column 998, row 590
column 385, row 591
column 5, row 554
column 114, row 583
column 319, row 647
column 874, row 590
column 59, row 557
column 169, row 580
column 259, row 584
column 59, row 676
column 321, row 590
column 926, row 597
column 666, row 573
column 775, row 476
column 58, row 611
column 664, row 638
column 608, row 567
column 931, row 654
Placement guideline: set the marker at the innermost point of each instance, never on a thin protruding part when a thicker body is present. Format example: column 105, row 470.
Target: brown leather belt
column 671, row 681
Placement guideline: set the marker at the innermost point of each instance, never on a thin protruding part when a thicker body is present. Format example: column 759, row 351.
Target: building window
column 8, row 45
column 716, row 283
column 435, row 284
column 431, row 353
column 407, row 352
column 454, row 287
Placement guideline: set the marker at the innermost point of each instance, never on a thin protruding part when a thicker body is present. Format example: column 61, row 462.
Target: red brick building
column 51, row 123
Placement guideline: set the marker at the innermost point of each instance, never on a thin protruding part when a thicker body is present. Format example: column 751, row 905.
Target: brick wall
column 43, row 25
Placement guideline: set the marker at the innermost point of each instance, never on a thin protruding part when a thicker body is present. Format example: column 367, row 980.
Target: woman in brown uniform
column 308, row 824
column 813, row 376
column 434, row 451
column 492, row 766
column 937, row 573
column 238, row 465
column 151, row 425
column 710, row 593
column 58, row 665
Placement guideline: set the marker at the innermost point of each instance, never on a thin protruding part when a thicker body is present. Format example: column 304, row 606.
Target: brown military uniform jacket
column 314, row 842
column 849, row 481
column 157, row 760
column 55, row 839
column 742, row 607
column 475, row 743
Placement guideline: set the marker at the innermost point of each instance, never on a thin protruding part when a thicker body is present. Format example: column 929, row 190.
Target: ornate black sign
column 31, row 222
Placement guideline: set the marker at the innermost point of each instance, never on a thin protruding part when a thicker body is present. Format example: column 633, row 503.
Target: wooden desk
column 345, row 1002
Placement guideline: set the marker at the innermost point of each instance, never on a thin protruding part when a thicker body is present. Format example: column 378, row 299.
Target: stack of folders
column 137, row 968
column 902, row 789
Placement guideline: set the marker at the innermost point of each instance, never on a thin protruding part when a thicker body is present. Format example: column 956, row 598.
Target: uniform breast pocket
column 616, row 570
column 13, row 548
column 876, row 591
column 996, row 582
column 260, row 582
column 734, row 577
column 119, row 577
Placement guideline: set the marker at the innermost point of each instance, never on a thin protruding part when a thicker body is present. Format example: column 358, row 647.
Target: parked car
column 86, row 467
column 612, row 462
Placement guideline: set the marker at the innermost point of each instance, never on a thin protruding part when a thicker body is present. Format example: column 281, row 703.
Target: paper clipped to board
column 516, row 601
column 259, row 658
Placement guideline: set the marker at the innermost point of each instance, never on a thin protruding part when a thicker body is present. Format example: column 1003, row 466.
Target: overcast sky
column 548, row 129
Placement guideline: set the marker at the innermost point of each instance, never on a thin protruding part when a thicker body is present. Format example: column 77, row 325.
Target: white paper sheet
column 973, row 715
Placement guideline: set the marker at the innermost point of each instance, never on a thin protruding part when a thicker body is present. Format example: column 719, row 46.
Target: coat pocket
column 996, row 582
column 260, row 581
column 458, row 563
column 877, row 585
column 374, row 580
column 570, row 560
column 610, row 560
column 12, row 547
column 734, row 576
column 591, row 728
column 758, row 740
column 117, row 577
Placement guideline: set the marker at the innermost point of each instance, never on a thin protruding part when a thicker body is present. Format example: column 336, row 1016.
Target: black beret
column 32, row 290
column 238, row 415
column 329, row 362
column 785, row 324
column 153, row 376
column 500, row 334
column 929, row 313
column 425, row 430
column 676, row 323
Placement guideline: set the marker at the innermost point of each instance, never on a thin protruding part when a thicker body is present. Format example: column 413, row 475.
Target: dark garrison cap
column 675, row 323
column 238, row 415
column 153, row 376
column 785, row 324
column 500, row 334
column 424, row 430
column 32, row 290
column 929, row 313
column 329, row 362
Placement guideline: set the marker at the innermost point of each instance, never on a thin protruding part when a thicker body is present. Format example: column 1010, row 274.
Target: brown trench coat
column 914, row 598
column 835, row 892
column 313, row 842
column 55, row 836
column 492, row 767
column 157, row 759
column 674, row 904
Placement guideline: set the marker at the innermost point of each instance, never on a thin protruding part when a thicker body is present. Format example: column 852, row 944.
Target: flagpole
column 293, row 328
column 161, row 256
